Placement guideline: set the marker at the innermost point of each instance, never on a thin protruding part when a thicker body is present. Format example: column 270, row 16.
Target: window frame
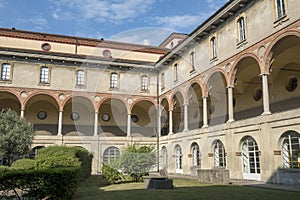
column 213, row 46
column 241, row 23
column 80, row 78
column 110, row 154
column 114, row 80
column 178, row 159
column 291, row 140
column 219, row 154
column 144, row 83
column 6, row 78
column 192, row 61
column 175, row 67
column 280, row 7
column 195, row 155
column 44, row 77
column 163, row 81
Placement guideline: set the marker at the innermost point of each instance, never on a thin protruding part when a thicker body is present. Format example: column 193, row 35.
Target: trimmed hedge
column 25, row 163
column 54, row 183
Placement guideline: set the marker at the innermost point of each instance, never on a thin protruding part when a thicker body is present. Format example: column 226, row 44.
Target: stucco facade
column 225, row 97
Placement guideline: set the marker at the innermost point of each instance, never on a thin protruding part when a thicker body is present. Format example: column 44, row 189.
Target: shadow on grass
column 96, row 187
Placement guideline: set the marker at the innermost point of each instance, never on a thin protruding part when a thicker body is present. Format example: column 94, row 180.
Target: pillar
column 96, row 124
column 60, row 116
column 230, row 105
column 205, row 122
column 186, row 117
column 266, row 101
column 128, row 125
column 170, row 122
column 22, row 113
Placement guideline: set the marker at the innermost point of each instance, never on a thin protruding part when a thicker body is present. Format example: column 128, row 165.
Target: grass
column 95, row 187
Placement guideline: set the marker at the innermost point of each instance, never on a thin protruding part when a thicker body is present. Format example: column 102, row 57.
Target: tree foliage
column 137, row 161
column 16, row 135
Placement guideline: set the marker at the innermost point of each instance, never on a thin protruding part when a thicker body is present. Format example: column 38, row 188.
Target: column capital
column 265, row 73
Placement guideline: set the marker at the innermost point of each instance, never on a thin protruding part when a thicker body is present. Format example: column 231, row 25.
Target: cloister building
column 225, row 96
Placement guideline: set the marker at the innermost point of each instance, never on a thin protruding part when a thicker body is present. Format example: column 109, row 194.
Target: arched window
column 291, row 150
column 164, row 154
column 219, row 155
column 195, row 154
column 110, row 155
column 178, row 159
column 242, row 30
column 144, row 85
column 251, row 163
column 213, row 45
column 280, row 8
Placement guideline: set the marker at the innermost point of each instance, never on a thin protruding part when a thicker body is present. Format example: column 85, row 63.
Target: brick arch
column 83, row 95
column 140, row 100
column 196, row 81
column 172, row 95
column 209, row 75
column 17, row 95
column 233, row 70
column 30, row 96
column 118, row 97
column 268, row 53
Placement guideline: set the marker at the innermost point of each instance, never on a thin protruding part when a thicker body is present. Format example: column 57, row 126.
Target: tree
column 137, row 161
column 16, row 135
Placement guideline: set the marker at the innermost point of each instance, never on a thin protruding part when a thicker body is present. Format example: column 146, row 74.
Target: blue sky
column 136, row 21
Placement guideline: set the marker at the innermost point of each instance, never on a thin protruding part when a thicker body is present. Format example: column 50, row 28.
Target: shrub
column 24, row 164
column 111, row 174
column 54, row 183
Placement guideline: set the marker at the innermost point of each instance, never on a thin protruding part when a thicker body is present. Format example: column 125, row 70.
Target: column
column 22, row 113
column 170, row 122
column 128, row 125
column 230, row 104
column 60, row 116
column 96, row 124
column 266, row 102
column 159, row 123
column 186, row 117
column 205, row 123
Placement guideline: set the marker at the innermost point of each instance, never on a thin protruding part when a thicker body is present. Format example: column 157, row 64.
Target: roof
column 80, row 41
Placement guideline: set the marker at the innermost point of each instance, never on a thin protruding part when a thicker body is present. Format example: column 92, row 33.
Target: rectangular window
column 241, row 27
column 280, row 8
column 144, row 83
column 175, row 72
column 162, row 81
column 113, row 80
column 80, row 80
column 44, row 75
column 213, row 47
column 192, row 60
column 5, row 71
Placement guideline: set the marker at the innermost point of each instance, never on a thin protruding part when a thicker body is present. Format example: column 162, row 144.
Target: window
column 110, row 155
column 241, row 29
column 291, row 150
column 292, row 84
column 178, row 159
column 44, row 75
column 162, row 81
column 80, row 80
column 213, row 46
column 164, row 154
column 5, row 72
column 144, row 86
column 192, row 60
column 114, row 80
column 280, row 8
column 176, row 72
column 219, row 155
column 250, row 153
column 195, row 154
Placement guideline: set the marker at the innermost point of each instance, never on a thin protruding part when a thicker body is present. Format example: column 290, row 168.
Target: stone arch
column 10, row 100
column 195, row 106
column 144, row 118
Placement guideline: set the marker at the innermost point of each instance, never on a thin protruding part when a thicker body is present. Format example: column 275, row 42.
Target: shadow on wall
column 285, row 177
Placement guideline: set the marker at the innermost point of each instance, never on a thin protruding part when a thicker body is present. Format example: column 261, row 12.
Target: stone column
column 186, row 117
column 128, row 125
column 96, row 124
column 205, row 122
column 170, row 122
column 266, row 102
column 22, row 113
column 230, row 105
column 60, row 116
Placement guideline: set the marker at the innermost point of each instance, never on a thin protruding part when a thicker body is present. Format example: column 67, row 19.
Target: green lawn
column 96, row 187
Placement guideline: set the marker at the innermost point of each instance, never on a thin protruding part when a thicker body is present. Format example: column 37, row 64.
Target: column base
column 185, row 130
column 204, row 126
column 266, row 113
column 230, row 120
column 171, row 133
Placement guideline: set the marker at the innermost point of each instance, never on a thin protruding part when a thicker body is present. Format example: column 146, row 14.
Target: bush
column 24, row 164
column 54, row 183
column 54, row 162
column 111, row 174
